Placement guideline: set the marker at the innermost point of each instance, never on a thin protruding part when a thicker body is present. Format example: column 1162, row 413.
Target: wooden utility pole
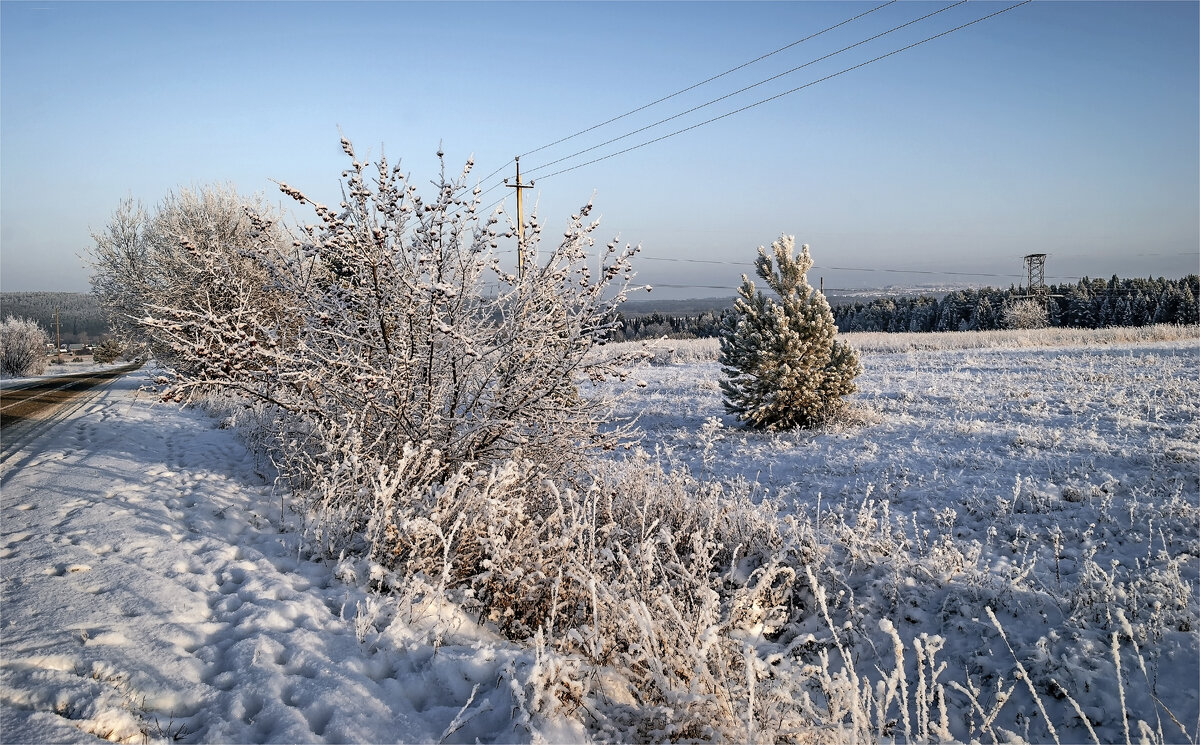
column 57, row 337
column 520, row 218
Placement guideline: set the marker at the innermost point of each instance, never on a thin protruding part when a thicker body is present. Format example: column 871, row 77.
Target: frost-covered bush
column 650, row 584
column 670, row 578
column 22, row 347
column 196, row 257
column 667, row 608
column 1025, row 314
column 783, row 368
column 392, row 332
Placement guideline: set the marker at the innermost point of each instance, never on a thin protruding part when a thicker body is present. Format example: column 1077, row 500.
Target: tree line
column 1088, row 303
column 80, row 317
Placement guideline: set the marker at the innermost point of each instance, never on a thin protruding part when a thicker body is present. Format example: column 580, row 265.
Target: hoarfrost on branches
column 193, row 264
column 22, row 347
column 394, row 352
column 1025, row 314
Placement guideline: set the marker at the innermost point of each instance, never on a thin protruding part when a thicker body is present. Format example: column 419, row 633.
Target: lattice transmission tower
column 1035, row 270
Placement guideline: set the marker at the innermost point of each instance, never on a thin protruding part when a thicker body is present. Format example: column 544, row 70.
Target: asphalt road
column 27, row 409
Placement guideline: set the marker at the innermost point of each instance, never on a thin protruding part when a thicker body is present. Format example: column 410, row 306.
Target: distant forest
column 80, row 317
column 1089, row 303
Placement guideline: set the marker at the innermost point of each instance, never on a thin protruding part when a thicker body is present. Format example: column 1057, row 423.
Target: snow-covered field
column 1057, row 485
column 152, row 593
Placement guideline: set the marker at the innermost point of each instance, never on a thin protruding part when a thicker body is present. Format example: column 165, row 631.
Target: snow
column 150, row 593
column 67, row 368
column 155, row 586
column 1058, row 486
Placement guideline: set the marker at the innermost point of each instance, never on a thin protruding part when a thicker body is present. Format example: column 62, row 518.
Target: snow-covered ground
column 149, row 594
column 1059, row 486
column 67, row 368
column 152, row 592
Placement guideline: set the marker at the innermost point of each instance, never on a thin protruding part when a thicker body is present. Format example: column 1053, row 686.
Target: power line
column 734, row 289
column 695, row 287
column 786, row 93
column 772, row 98
column 693, row 261
column 708, row 80
column 669, row 96
column 885, row 270
column 489, row 177
column 915, row 271
column 749, row 87
column 836, row 268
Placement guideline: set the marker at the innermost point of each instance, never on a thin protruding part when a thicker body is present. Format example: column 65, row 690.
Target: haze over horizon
column 1066, row 128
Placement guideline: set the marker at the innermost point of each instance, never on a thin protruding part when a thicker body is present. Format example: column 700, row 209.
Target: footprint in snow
column 59, row 570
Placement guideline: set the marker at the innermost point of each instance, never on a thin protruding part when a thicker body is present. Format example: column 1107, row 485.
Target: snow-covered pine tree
column 108, row 351
column 783, row 368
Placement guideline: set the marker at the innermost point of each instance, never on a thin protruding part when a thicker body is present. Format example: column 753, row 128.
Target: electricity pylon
column 1035, row 269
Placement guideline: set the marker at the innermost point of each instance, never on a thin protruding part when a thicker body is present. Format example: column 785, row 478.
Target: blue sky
column 1067, row 128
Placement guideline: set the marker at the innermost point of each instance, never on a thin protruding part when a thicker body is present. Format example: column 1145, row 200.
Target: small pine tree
column 108, row 351
column 782, row 366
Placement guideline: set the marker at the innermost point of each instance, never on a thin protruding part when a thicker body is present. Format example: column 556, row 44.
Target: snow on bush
column 782, row 366
column 396, row 353
column 1025, row 314
column 198, row 256
column 22, row 348
column 641, row 585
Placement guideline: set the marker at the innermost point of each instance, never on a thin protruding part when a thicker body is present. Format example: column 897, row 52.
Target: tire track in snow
column 29, row 410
